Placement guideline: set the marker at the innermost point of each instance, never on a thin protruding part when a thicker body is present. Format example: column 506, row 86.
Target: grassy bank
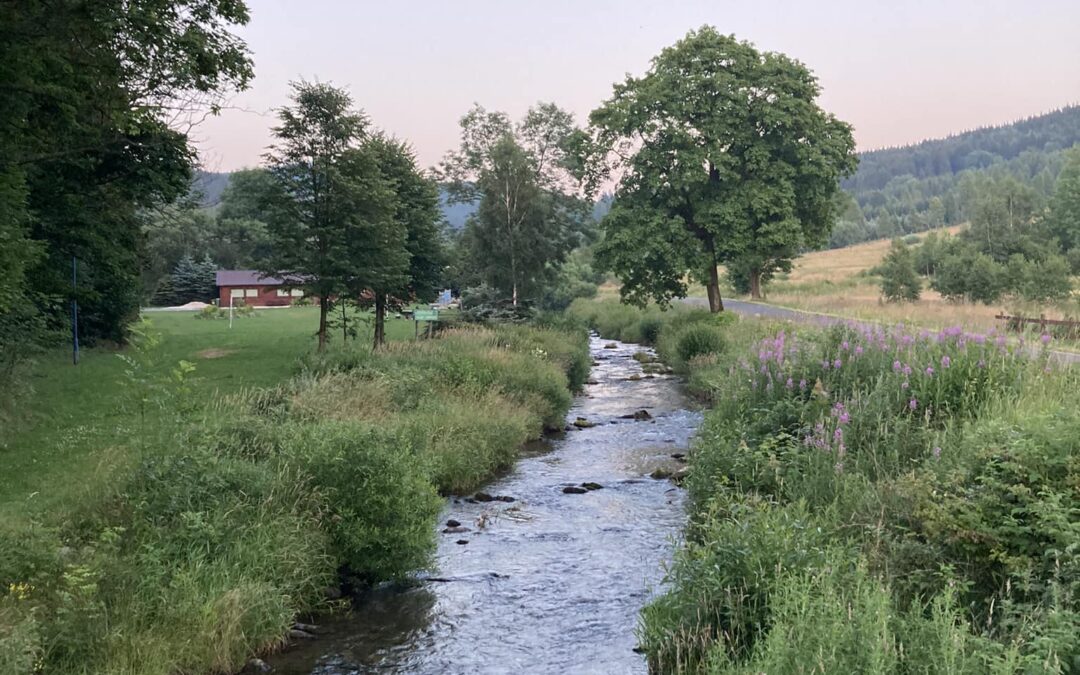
column 230, row 509
column 878, row 502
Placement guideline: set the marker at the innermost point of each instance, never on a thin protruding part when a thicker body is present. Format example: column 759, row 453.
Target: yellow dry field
column 834, row 282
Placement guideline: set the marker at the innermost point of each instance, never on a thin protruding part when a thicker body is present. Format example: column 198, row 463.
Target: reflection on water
column 551, row 582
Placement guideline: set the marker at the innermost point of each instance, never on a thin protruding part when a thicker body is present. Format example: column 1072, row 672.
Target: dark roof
column 249, row 278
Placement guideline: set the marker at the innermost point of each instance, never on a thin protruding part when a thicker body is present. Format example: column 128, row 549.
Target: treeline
column 1012, row 247
column 898, row 191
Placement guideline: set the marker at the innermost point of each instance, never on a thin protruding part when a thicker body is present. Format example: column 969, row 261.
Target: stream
column 550, row 582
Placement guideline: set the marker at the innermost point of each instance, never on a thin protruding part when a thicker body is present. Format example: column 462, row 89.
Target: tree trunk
column 716, row 304
column 380, row 319
column 755, row 283
column 324, row 309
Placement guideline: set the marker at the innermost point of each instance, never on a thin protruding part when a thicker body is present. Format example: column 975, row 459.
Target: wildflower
column 936, row 452
column 981, row 363
column 907, row 370
column 1045, row 337
column 789, row 384
column 839, row 467
column 913, row 404
column 837, row 363
column 858, row 350
column 825, row 364
column 845, row 345
column 802, row 385
column 838, row 435
column 929, row 371
column 896, row 366
column 904, row 384
column 844, row 417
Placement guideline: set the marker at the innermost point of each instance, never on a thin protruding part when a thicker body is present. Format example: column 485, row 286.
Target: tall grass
column 870, row 500
column 205, row 550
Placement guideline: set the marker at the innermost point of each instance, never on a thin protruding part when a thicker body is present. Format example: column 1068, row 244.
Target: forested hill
column 935, row 182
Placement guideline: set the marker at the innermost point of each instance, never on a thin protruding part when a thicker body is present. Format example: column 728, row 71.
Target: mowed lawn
column 81, row 422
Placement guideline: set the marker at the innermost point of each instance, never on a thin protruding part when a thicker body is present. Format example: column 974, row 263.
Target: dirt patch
column 214, row 353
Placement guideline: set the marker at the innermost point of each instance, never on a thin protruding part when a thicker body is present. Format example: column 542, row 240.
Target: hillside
column 930, row 184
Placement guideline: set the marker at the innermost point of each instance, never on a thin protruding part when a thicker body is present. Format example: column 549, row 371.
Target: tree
column 416, row 212
column 727, row 144
column 1064, row 216
column 529, row 214
column 899, row 281
column 96, row 101
column 331, row 215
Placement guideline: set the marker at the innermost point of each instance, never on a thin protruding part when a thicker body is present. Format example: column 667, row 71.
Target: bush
column 381, row 510
column 699, row 340
column 899, row 282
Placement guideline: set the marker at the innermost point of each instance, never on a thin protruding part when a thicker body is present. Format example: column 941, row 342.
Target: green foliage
column 89, row 132
column 528, row 215
column 1064, row 215
column 381, row 510
column 866, row 500
column 698, row 340
column 899, row 282
column 699, row 188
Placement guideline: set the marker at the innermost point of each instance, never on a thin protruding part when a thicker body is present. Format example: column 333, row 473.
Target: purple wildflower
column 789, row 384
column 936, row 452
column 802, row 385
column 929, row 371
column 913, row 404
column 837, row 363
column 946, row 361
column 1045, row 337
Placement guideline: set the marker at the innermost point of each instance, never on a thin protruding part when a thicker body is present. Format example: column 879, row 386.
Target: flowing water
column 550, row 582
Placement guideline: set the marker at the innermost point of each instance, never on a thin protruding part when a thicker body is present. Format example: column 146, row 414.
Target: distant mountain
column 207, row 187
column 455, row 214
column 929, row 184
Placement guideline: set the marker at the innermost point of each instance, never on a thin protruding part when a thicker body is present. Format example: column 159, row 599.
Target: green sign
column 426, row 315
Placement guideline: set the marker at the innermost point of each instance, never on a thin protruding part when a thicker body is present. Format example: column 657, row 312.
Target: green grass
column 162, row 520
column 77, row 425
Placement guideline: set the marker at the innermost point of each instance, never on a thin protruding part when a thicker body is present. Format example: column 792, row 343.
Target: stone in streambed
column 639, row 415
column 592, row 486
column 462, row 542
column 660, row 473
column 574, row 490
column 582, row 423
column 483, row 497
column 504, row 498
column 453, row 523
column 256, row 666
column 306, row 627
column 457, row 529
column 611, row 345
column 679, row 456
column 680, row 475
column 297, row 634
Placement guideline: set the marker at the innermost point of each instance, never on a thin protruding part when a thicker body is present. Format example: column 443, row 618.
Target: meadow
column 209, row 485
column 839, row 282
column 871, row 500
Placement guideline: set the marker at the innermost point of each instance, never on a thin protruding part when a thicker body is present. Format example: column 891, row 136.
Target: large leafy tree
column 96, row 97
column 332, row 222
column 529, row 213
column 416, row 211
column 722, row 154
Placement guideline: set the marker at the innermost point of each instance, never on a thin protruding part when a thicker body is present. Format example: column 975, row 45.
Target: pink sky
column 899, row 71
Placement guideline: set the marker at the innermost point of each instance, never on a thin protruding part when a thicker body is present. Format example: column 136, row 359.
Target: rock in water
column 639, row 415
column 661, row 473
column 574, row 490
column 297, row 634
column 611, row 345
column 256, row 666
column 592, row 486
column 462, row 542
column 457, row 529
column 483, row 497
column 453, row 523
column 582, row 423
column 504, row 498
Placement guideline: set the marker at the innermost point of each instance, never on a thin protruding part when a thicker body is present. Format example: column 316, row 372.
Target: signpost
column 428, row 315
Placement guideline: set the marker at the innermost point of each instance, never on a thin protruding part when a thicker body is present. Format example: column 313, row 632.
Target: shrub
column 899, row 282
column 699, row 340
column 381, row 509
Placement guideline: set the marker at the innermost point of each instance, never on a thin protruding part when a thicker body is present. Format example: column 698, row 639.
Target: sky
column 899, row 71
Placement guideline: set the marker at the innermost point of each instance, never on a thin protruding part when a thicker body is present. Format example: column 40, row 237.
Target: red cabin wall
column 267, row 297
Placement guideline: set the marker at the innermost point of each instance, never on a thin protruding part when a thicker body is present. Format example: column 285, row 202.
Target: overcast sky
column 899, row 70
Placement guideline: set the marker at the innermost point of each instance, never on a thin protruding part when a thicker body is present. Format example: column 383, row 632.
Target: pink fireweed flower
column 838, row 435
column 789, row 384
column 913, row 404
column 896, row 366
column 858, row 350
column 837, row 363
column 945, row 361
column 845, row 345
column 802, row 385
column 930, row 371
column 1045, row 337
column 825, row 364
column 936, row 452
column 907, row 370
